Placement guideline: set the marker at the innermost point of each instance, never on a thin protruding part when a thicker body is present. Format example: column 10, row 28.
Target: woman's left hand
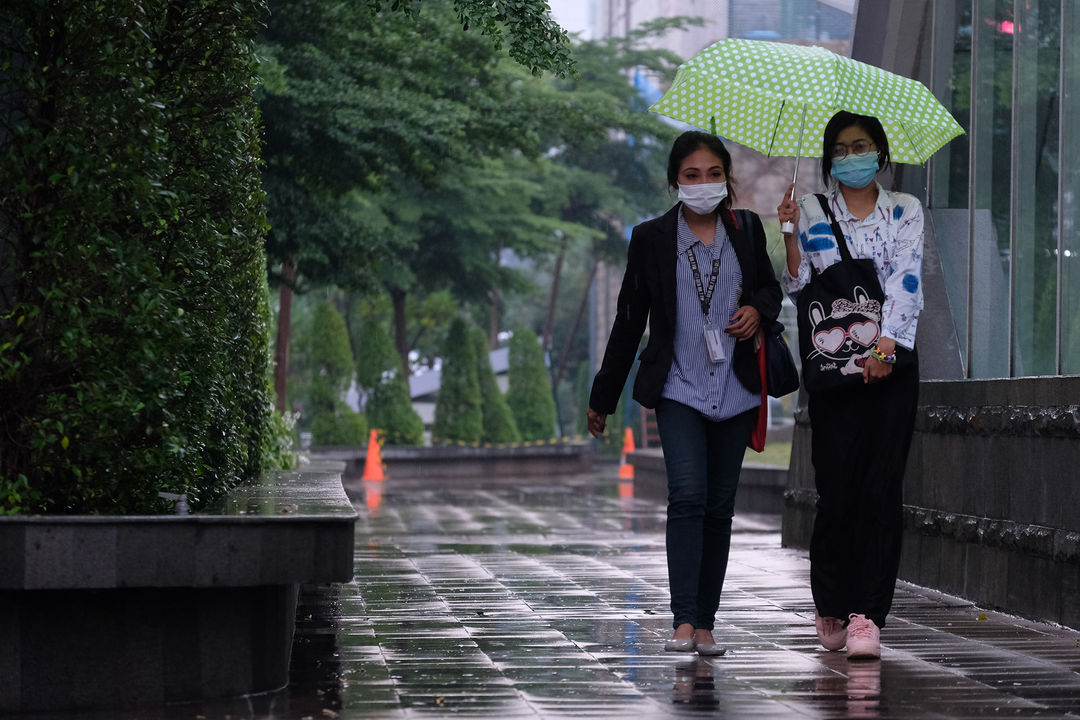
column 744, row 323
column 874, row 370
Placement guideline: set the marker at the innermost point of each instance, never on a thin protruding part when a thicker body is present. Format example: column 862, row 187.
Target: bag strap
column 841, row 243
column 742, row 221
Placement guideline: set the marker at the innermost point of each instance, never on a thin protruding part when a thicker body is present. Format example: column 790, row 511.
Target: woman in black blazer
column 701, row 277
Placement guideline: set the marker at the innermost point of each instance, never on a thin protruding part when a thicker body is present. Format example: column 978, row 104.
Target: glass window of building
column 1005, row 205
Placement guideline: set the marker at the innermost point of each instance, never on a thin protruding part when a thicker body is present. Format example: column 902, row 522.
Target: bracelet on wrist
column 879, row 355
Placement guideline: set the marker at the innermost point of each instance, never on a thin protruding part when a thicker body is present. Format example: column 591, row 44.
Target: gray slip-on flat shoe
column 711, row 649
column 674, row 645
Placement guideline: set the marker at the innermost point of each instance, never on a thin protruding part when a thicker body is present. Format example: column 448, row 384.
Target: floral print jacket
column 891, row 235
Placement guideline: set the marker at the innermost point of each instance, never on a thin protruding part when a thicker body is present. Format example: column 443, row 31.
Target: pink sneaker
column 863, row 637
column 830, row 631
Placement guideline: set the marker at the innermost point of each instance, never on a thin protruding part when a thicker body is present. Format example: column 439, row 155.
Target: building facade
column 991, row 490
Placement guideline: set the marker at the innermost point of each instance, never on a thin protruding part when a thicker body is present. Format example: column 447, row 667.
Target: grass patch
column 776, row 453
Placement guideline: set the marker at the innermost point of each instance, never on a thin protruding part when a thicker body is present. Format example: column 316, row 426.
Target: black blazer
column 648, row 293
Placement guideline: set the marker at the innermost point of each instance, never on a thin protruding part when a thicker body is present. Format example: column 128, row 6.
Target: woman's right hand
column 788, row 210
column 597, row 422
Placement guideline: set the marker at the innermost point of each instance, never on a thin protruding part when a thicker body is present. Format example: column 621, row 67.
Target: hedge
column 134, row 346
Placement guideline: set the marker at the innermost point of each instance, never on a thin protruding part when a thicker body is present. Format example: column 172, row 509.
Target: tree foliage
column 536, row 41
column 529, row 395
column 458, row 414
column 133, row 325
column 352, row 99
column 499, row 424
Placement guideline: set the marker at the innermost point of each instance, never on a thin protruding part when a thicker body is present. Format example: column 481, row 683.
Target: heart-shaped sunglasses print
column 863, row 333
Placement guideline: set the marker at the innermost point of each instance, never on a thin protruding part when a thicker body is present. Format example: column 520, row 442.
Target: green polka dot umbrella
column 776, row 98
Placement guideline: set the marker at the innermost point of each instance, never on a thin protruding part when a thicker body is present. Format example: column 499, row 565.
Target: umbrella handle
column 789, row 227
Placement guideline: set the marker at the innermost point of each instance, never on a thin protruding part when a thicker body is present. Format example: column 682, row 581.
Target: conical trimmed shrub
column 390, row 411
column 458, row 414
column 332, row 421
column 378, row 371
column 529, row 396
column 499, row 424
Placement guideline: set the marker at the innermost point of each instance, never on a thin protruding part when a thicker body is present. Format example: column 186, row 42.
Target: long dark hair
column 685, row 145
column 837, row 124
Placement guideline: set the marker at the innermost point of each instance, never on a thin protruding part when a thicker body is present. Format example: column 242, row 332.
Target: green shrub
column 134, row 352
column 339, row 426
column 389, row 406
column 375, row 354
column 457, row 409
column 529, row 395
column 499, row 425
column 330, row 368
column 390, row 411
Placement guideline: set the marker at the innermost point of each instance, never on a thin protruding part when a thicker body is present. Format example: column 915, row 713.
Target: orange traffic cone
column 373, row 466
column 626, row 470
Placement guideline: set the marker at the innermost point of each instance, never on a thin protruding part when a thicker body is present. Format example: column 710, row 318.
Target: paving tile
column 549, row 600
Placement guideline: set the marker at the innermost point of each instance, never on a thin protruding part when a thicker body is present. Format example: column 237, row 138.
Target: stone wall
column 991, row 492
column 104, row 612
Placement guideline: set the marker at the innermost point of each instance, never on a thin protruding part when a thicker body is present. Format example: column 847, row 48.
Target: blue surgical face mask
column 856, row 171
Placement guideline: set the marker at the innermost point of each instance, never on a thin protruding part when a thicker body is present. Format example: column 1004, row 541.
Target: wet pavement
column 548, row 599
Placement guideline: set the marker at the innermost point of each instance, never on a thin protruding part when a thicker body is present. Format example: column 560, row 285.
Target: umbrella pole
column 789, row 227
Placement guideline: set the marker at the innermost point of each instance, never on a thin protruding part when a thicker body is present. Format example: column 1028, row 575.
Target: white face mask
column 703, row 198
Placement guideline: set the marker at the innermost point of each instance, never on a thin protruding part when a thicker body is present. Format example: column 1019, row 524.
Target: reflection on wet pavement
column 550, row 600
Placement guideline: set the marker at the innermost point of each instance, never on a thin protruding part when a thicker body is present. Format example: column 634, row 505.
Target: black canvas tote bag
column 839, row 315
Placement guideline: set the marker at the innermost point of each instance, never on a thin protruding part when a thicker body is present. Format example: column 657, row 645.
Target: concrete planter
column 107, row 611
column 761, row 486
column 991, row 497
column 463, row 462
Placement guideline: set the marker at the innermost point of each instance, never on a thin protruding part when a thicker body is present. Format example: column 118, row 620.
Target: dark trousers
column 703, row 460
column 860, row 439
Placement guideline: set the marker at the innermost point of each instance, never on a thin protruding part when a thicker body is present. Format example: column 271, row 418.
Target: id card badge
column 714, row 342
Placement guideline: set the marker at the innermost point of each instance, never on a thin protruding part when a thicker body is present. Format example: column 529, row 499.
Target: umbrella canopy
column 777, row 98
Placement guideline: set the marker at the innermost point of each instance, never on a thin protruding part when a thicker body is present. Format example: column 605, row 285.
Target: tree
column 458, row 413
column 529, row 396
column 536, row 41
column 606, row 180
column 499, row 424
column 352, row 97
column 451, row 234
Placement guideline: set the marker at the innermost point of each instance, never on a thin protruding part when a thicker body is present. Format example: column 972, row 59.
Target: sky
column 573, row 15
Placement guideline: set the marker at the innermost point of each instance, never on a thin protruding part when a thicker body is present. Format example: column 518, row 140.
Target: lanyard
column 705, row 296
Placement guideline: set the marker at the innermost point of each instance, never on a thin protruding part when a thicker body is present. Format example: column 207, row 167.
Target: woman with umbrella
column 861, row 434
column 701, row 277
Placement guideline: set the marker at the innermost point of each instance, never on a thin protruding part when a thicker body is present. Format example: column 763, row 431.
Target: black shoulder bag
column 780, row 376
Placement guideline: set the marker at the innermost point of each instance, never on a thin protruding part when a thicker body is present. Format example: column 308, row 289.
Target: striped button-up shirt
column 694, row 380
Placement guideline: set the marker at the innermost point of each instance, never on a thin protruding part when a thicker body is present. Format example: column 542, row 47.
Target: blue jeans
column 703, row 460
